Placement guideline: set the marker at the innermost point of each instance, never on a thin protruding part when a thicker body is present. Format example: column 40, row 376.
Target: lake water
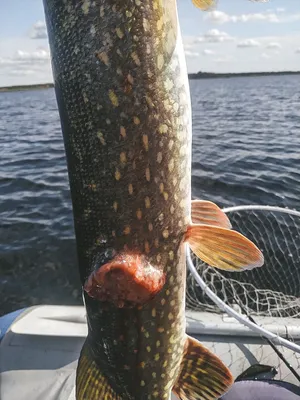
column 246, row 150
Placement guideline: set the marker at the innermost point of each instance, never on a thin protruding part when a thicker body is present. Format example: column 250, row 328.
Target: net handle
column 265, row 208
column 242, row 319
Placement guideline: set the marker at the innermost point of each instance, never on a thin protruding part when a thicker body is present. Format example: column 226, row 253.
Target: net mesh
column 274, row 289
column 271, row 291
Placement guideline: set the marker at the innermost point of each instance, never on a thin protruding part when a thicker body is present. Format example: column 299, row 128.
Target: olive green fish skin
column 123, row 99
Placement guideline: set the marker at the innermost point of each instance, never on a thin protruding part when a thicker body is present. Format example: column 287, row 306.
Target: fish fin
column 90, row 382
column 128, row 280
column 223, row 248
column 208, row 213
column 205, row 5
column 203, row 376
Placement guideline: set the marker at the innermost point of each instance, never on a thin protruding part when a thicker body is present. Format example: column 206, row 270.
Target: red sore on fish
column 126, row 281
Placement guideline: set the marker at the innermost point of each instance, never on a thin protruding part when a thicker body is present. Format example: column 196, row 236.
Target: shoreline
column 208, row 75
column 192, row 76
column 20, row 88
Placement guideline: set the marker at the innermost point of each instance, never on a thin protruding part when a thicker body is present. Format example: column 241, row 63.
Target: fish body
column 124, row 103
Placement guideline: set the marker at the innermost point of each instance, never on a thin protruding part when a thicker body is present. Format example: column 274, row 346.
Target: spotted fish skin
column 123, row 98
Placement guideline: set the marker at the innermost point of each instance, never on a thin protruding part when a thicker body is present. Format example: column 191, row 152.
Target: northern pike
column 123, row 98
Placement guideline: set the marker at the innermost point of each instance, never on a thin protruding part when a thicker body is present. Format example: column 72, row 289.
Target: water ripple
column 246, row 140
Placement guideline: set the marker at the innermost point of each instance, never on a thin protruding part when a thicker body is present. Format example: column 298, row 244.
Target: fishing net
column 268, row 294
column 274, row 289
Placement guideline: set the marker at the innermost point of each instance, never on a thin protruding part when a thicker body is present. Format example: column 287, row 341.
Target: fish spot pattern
column 131, row 141
column 148, row 175
column 147, row 202
column 123, row 158
column 113, row 98
column 115, row 205
column 101, row 138
column 146, row 142
column 123, row 131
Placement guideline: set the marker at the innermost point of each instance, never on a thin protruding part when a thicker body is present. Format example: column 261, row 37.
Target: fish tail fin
column 223, row 248
column 203, row 375
column 90, row 381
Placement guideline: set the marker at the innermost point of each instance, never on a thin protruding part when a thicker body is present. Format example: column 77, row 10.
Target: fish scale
column 123, row 97
column 103, row 162
column 85, row 117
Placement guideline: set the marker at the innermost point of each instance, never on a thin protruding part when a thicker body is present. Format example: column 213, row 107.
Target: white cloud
column 248, row 43
column 38, row 31
column 187, row 46
column 298, row 50
column 218, row 17
column 208, row 52
column 189, row 53
column 273, row 45
column 38, row 56
column 25, row 67
column 214, row 36
column 228, row 55
column 225, row 59
column 6, row 61
column 221, row 17
column 275, row 10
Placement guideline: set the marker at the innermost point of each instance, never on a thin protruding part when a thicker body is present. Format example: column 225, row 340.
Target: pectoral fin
column 203, row 375
column 208, row 213
column 223, row 248
column 90, row 382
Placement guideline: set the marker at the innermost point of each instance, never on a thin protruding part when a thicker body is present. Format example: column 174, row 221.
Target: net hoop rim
column 229, row 310
column 262, row 208
column 276, row 339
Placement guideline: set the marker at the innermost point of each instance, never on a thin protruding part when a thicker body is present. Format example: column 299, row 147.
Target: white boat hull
column 39, row 351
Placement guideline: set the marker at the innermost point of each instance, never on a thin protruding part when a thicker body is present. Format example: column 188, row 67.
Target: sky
column 236, row 36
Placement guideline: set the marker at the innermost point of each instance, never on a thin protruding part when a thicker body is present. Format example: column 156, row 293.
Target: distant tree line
column 206, row 75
